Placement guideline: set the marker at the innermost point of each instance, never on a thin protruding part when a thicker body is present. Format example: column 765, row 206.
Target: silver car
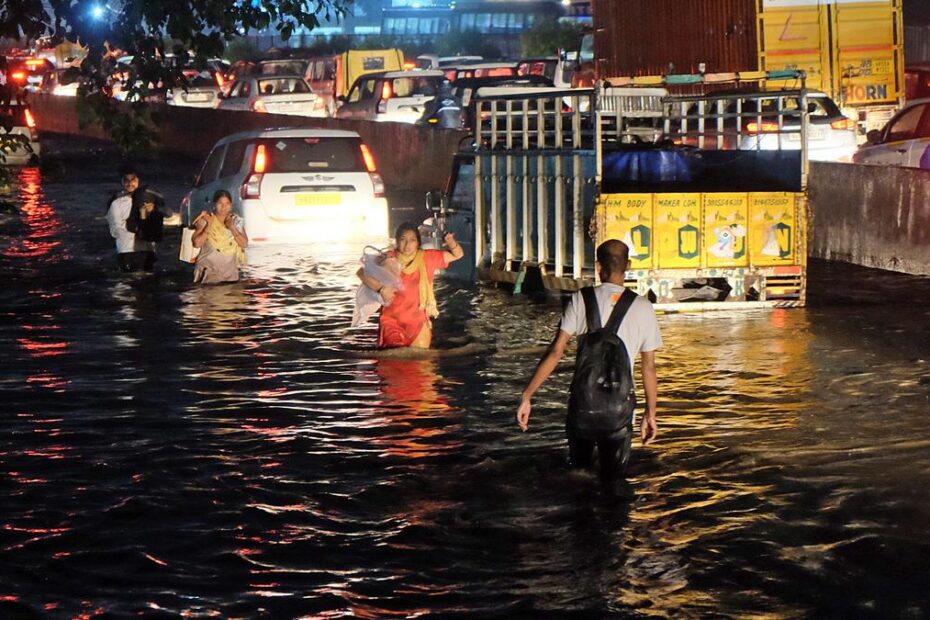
column 904, row 141
column 830, row 135
column 399, row 96
column 279, row 94
column 201, row 92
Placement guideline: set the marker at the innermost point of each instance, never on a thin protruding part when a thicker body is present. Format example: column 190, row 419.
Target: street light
column 97, row 12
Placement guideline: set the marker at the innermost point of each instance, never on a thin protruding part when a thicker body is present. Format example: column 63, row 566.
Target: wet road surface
column 236, row 451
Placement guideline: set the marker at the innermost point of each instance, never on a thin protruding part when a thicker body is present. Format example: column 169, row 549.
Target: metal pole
column 511, row 207
column 525, row 180
column 559, row 197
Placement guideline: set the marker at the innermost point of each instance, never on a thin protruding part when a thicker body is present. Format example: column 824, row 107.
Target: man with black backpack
column 601, row 397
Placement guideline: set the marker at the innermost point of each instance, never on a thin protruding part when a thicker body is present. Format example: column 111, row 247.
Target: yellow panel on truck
column 753, row 241
column 852, row 50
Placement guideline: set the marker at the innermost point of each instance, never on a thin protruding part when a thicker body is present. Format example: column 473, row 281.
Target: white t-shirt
column 639, row 330
column 116, row 218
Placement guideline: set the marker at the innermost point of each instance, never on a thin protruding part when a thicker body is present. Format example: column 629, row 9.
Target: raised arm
column 545, row 367
column 453, row 250
column 649, row 426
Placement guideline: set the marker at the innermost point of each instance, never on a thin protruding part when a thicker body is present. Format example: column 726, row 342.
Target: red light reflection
column 43, row 226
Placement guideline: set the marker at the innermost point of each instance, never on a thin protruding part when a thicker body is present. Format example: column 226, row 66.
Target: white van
column 296, row 186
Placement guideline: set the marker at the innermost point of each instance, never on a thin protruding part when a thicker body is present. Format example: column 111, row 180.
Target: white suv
column 296, row 186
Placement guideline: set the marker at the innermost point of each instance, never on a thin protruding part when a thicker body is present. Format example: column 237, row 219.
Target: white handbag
column 188, row 252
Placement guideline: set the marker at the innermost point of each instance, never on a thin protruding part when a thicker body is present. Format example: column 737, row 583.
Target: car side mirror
column 874, row 136
column 434, row 201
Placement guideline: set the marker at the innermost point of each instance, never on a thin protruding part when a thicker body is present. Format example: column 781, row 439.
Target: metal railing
column 534, row 150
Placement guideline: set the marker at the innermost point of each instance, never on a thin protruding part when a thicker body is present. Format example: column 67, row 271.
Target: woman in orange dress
column 408, row 310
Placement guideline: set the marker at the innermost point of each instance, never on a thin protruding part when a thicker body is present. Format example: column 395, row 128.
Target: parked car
column 201, row 91
column 296, row 186
column 399, row 96
column 904, row 141
column 281, row 94
column 18, row 120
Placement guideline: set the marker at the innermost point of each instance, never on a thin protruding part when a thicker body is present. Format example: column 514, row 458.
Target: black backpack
column 602, row 398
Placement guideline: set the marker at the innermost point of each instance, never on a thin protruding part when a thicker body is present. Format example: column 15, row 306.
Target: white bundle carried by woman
column 385, row 270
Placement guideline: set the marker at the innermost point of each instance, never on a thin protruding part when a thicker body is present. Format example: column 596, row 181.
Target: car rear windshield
column 284, row 67
column 280, row 86
column 314, row 155
column 409, row 87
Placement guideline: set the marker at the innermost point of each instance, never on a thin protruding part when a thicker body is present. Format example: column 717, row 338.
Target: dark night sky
column 916, row 10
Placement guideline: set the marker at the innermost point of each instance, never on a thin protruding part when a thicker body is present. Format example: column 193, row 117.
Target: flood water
column 235, row 451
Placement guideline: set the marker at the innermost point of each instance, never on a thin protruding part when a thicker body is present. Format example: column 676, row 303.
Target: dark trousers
column 136, row 261
column 613, row 452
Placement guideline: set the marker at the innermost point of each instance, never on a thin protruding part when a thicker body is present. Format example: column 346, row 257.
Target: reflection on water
column 237, row 451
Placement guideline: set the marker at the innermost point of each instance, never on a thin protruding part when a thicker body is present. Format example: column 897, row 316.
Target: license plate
column 315, row 200
column 197, row 97
column 813, row 133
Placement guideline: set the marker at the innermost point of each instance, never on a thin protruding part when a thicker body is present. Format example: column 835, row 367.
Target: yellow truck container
column 353, row 64
column 852, row 50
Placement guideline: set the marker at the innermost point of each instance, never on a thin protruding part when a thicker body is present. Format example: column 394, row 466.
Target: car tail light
column 318, row 104
column 18, row 76
column 372, row 169
column 843, row 123
column 377, row 184
column 30, row 119
column 259, row 106
column 763, row 127
column 386, row 93
column 220, row 80
column 252, row 188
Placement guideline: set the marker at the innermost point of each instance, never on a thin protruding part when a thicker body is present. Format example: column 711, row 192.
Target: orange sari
column 403, row 320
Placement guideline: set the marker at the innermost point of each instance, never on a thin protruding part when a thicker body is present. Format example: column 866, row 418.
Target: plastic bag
column 386, row 271
column 188, row 252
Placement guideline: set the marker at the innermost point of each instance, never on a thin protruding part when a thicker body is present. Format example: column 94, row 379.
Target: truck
column 548, row 175
column 853, row 50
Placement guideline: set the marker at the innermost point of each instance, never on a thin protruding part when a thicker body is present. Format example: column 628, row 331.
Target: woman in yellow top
column 222, row 239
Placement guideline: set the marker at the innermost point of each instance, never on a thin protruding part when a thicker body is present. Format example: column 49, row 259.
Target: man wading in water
column 601, row 399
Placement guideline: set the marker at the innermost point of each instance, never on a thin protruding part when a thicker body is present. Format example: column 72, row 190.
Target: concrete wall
column 408, row 156
column 877, row 216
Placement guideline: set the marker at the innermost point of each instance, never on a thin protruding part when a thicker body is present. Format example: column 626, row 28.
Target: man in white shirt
column 639, row 332
column 132, row 254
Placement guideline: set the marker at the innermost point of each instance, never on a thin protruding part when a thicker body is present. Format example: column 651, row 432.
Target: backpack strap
column 627, row 297
column 591, row 311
